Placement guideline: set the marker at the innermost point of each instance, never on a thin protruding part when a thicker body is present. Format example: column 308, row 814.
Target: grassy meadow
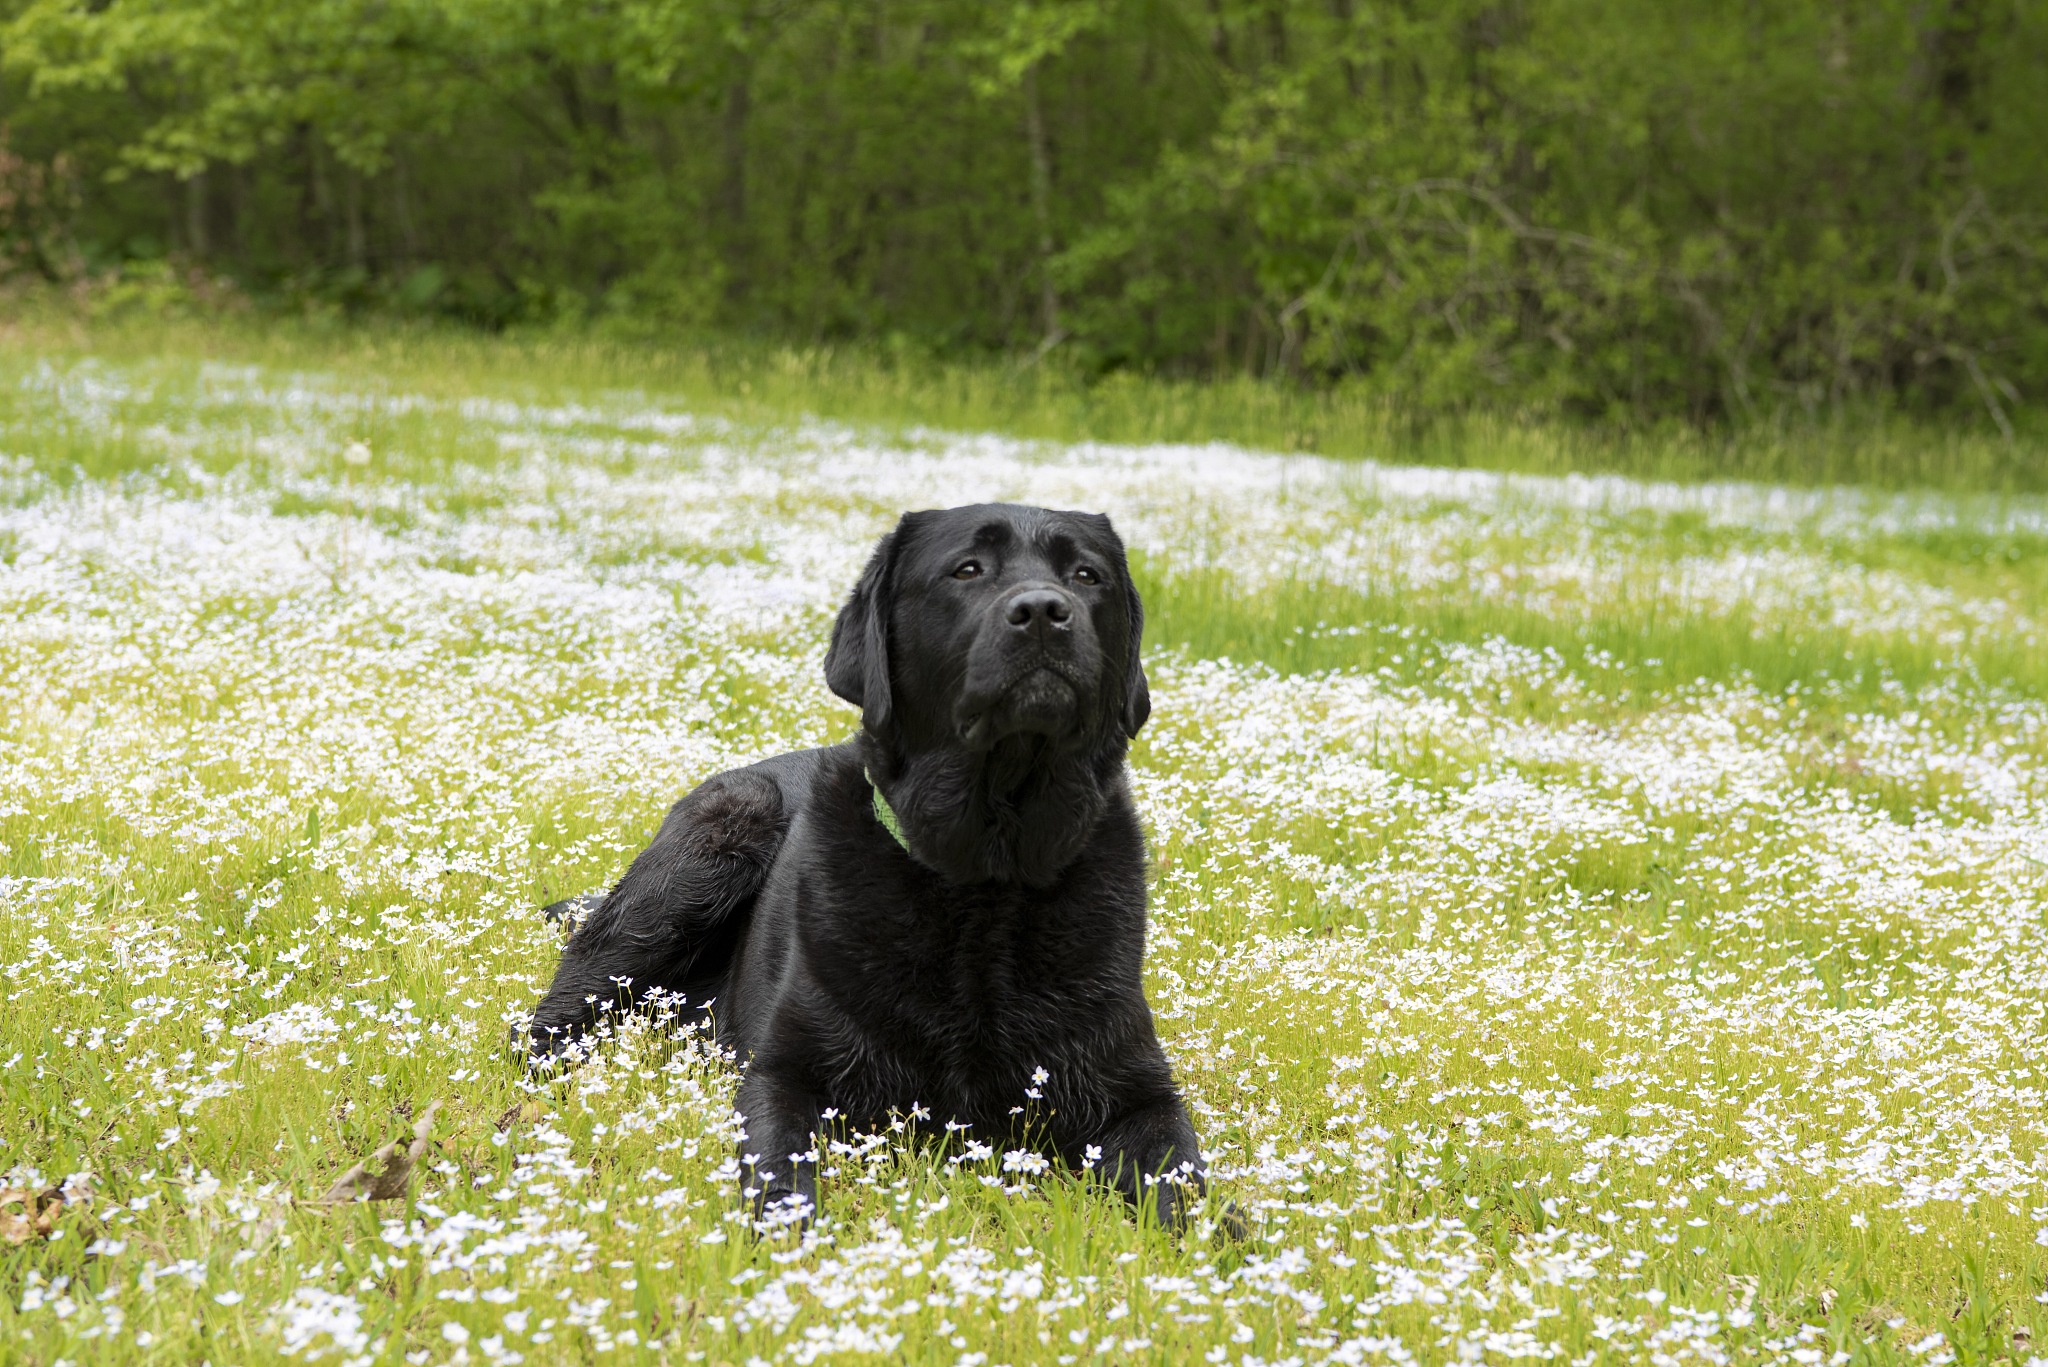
column 1595, row 918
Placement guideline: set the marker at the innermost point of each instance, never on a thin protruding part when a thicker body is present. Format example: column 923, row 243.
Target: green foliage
column 1606, row 208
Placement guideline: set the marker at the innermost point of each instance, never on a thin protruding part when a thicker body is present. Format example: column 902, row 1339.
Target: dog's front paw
column 1230, row 1223
column 545, row 1048
column 779, row 1209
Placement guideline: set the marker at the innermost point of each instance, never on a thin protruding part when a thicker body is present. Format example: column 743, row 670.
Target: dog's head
column 973, row 625
column 993, row 652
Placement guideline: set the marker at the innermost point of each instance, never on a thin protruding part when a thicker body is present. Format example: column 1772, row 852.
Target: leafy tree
column 1716, row 210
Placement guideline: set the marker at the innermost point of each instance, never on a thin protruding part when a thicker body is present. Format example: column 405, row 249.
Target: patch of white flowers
column 1576, row 1031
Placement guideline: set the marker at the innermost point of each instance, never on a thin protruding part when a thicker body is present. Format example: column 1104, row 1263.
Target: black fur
column 859, row 981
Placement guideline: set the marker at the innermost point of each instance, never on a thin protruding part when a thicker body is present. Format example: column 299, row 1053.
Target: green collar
column 886, row 814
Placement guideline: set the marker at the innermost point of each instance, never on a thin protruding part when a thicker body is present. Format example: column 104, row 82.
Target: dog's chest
column 972, row 1003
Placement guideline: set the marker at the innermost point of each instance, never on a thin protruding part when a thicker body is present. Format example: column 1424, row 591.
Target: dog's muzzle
column 1031, row 669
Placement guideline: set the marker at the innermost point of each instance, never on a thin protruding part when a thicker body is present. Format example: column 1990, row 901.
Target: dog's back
column 681, row 910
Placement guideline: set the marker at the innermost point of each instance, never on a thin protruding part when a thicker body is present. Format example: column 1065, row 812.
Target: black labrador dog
column 944, row 915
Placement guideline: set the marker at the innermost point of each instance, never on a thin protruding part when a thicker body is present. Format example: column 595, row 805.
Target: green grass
column 1567, row 922
column 897, row 389
column 1638, row 649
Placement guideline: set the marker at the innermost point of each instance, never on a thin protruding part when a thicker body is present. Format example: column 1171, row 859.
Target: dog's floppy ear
column 857, row 665
column 1137, row 693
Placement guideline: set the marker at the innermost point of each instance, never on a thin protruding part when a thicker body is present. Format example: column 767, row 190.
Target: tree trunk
column 238, row 213
column 732, row 181
column 1041, row 209
column 198, row 241
column 1219, row 35
column 316, row 208
column 401, row 211
column 1346, row 19
column 358, row 238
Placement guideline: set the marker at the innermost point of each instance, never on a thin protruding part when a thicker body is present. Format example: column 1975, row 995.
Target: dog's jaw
column 1019, row 811
column 1041, row 698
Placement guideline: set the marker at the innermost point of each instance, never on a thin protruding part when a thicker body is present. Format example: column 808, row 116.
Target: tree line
column 1721, row 210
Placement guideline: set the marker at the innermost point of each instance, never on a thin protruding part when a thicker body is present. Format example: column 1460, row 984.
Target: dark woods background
column 1608, row 207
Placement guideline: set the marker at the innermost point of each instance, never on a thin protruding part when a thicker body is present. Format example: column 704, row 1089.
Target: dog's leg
column 674, row 919
column 1153, row 1152
column 778, row 1152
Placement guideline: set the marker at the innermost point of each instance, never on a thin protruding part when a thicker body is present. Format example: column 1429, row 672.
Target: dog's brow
column 993, row 534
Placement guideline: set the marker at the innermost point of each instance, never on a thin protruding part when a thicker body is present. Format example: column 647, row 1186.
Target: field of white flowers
column 1593, row 921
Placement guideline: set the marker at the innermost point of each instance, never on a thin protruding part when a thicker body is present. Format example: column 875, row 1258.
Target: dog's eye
column 1087, row 575
column 968, row 569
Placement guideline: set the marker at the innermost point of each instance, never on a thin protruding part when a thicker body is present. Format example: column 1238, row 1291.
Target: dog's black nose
column 1039, row 611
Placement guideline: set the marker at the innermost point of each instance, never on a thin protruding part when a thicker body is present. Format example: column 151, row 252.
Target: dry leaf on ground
column 359, row 1184
column 26, row 1215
